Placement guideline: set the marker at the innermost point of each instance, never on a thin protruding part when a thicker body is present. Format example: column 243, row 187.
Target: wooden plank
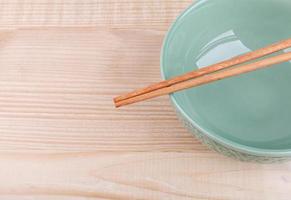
column 113, row 13
column 57, row 85
column 141, row 176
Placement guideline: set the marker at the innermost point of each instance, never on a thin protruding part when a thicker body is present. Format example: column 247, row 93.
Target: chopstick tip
column 115, row 102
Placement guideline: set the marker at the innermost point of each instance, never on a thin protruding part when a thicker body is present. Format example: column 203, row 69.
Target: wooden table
column 61, row 63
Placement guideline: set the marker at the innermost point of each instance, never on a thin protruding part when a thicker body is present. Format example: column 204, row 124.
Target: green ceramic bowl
column 249, row 116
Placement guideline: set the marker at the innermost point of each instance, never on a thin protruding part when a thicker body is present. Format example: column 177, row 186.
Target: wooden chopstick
column 210, row 69
column 171, row 85
column 208, row 78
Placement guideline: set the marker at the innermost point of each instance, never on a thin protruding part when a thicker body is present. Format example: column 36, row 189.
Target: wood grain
column 58, row 92
column 142, row 176
column 61, row 63
column 110, row 13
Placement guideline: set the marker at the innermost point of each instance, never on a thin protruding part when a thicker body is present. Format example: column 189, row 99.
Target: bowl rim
column 217, row 138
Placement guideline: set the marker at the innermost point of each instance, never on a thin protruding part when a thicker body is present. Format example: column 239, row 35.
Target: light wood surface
column 61, row 64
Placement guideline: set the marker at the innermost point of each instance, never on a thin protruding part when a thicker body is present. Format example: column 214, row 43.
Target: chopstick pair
column 209, row 74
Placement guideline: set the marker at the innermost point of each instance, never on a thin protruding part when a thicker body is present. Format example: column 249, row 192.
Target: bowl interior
column 252, row 110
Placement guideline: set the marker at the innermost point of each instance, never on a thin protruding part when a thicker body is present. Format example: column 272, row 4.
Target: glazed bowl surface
column 247, row 116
